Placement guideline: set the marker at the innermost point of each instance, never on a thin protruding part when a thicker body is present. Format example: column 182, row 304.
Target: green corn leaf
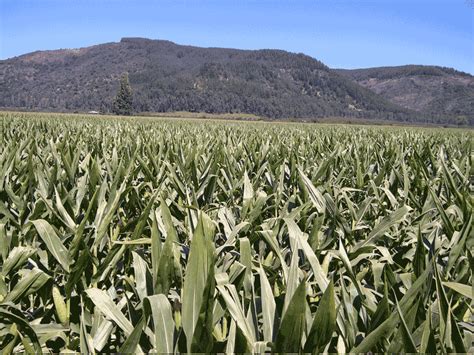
column 16, row 258
column 292, row 281
column 449, row 330
column 295, row 232
column 159, row 308
column 315, row 195
column 130, row 346
column 428, row 344
column 107, row 307
column 384, row 225
column 64, row 214
column 292, row 326
column 324, row 322
column 408, row 342
column 462, row 289
column 140, row 270
column 53, row 243
column 419, row 258
column 109, row 211
column 457, row 249
column 30, row 283
column 268, row 306
column 137, row 233
column 85, row 339
column 198, row 287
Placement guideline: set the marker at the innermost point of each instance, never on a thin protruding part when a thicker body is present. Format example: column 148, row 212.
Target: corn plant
column 161, row 235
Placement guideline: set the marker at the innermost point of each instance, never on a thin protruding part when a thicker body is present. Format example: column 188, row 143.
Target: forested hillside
column 436, row 91
column 168, row 77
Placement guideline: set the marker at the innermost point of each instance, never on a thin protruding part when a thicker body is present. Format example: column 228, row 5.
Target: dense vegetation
column 135, row 234
column 168, row 77
column 438, row 91
column 401, row 72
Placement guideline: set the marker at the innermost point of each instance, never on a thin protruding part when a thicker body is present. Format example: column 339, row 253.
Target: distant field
column 158, row 234
column 249, row 117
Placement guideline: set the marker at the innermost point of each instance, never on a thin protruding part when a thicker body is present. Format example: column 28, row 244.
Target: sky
column 341, row 33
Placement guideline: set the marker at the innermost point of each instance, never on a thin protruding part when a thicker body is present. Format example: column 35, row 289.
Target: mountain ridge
column 439, row 90
column 166, row 77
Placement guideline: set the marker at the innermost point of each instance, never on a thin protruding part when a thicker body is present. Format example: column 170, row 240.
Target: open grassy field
column 141, row 234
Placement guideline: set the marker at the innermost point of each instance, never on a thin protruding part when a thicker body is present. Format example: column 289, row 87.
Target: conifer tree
column 124, row 99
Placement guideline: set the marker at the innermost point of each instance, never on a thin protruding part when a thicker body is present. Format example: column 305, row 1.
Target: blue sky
column 341, row 33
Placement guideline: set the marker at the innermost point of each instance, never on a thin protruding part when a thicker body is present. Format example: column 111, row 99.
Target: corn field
column 163, row 235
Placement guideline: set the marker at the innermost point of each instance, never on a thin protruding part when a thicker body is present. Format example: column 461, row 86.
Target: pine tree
column 124, row 99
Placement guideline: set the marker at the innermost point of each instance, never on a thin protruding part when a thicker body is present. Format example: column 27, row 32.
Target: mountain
column 169, row 77
column 437, row 91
